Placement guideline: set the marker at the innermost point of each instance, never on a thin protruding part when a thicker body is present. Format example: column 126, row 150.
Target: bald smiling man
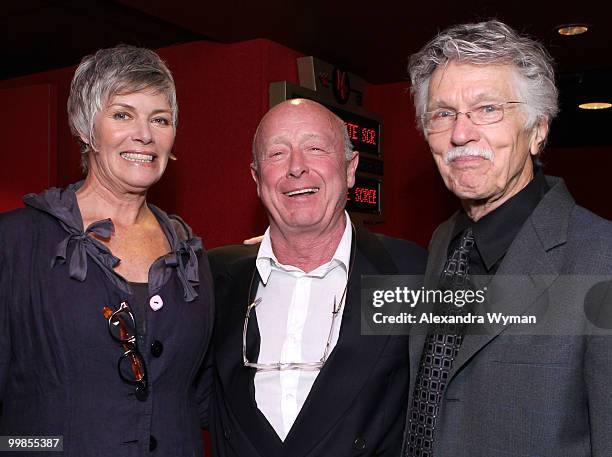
column 298, row 378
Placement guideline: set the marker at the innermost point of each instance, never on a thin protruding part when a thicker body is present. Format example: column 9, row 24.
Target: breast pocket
column 534, row 350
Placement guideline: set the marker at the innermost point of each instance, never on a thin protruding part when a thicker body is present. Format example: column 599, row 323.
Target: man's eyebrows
column 276, row 140
column 283, row 140
column 323, row 139
column 310, row 136
column 486, row 97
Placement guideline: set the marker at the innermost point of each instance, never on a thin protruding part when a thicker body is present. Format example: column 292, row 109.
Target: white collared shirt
column 294, row 319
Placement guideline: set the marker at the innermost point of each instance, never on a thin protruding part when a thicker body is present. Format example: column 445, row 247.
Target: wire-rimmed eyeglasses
column 282, row 366
column 131, row 365
column 443, row 119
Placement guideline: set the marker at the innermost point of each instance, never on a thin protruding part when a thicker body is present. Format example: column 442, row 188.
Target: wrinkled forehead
column 455, row 82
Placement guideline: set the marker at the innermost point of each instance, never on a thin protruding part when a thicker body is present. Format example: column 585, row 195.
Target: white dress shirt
column 294, row 318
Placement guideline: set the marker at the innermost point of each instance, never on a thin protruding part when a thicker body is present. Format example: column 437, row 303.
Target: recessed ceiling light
column 572, row 29
column 595, row 105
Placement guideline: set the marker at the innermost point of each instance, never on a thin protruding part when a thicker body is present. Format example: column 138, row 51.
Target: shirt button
column 152, row 443
column 156, row 302
column 227, row 433
column 157, row 348
column 359, row 444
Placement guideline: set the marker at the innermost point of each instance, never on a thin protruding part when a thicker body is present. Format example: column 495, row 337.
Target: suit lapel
column 352, row 360
column 529, row 263
column 435, row 263
column 438, row 249
column 519, row 286
column 236, row 380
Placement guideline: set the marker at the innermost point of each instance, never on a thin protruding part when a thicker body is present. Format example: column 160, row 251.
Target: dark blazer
column 357, row 403
column 58, row 362
column 536, row 394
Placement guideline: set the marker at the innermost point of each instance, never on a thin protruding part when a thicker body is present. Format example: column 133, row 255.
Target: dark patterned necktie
column 439, row 352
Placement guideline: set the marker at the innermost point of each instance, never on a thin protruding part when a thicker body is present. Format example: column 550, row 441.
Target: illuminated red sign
column 364, row 197
column 364, row 132
column 360, row 134
column 341, row 86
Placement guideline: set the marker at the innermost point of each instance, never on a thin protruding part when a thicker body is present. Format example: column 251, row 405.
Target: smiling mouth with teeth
column 137, row 157
column 309, row 190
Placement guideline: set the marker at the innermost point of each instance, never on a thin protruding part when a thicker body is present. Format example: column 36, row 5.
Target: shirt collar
column 267, row 261
column 494, row 233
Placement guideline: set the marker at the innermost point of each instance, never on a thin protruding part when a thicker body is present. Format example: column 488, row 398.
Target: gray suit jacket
column 534, row 394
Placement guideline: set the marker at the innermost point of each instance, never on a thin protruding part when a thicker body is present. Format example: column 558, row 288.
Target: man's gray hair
column 346, row 140
column 100, row 76
column 489, row 43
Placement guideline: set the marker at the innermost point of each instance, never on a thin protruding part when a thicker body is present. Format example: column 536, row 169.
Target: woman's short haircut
column 120, row 70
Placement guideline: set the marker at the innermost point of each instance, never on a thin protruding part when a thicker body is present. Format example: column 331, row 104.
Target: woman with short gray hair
column 106, row 307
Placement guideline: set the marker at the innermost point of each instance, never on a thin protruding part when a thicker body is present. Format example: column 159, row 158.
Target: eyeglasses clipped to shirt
column 308, row 366
column 131, row 365
column 281, row 366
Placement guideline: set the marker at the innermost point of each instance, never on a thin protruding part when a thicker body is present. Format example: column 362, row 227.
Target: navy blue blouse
column 58, row 361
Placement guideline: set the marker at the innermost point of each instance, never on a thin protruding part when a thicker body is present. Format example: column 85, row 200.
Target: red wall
column 415, row 200
column 222, row 93
column 59, row 137
column 28, row 130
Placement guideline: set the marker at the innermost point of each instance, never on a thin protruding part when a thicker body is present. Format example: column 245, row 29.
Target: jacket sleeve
column 597, row 376
column 5, row 334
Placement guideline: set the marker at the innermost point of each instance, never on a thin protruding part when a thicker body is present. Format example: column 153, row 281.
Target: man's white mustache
column 465, row 151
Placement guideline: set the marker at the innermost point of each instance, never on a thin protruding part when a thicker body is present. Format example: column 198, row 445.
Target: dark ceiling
column 370, row 38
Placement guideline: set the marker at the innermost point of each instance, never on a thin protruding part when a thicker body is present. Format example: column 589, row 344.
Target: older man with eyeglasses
column 485, row 97
column 295, row 376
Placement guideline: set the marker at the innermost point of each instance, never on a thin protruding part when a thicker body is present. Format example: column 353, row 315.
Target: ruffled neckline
column 62, row 205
